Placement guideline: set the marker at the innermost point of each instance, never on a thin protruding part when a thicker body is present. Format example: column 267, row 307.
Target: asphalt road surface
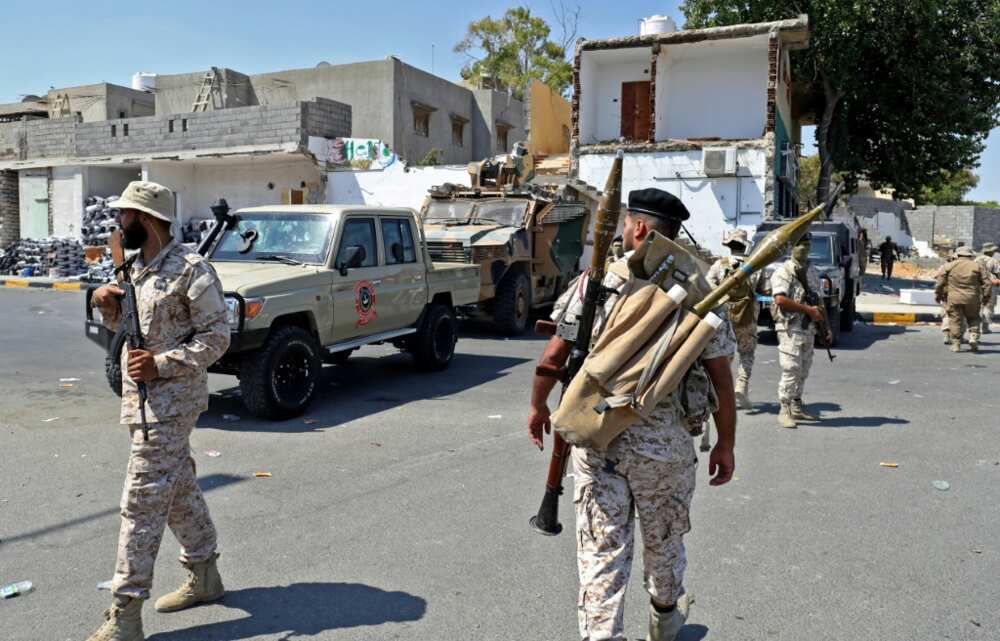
column 398, row 506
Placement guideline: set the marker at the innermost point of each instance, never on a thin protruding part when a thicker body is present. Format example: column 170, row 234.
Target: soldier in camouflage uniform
column 182, row 317
column 795, row 323
column 963, row 284
column 742, row 309
column 649, row 470
column 988, row 260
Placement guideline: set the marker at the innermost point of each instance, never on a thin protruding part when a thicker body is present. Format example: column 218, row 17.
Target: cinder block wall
column 987, row 226
column 957, row 223
column 223, row 128
column 10, row 219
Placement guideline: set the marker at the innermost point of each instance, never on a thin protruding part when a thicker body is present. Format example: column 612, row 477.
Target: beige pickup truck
column 308, row 284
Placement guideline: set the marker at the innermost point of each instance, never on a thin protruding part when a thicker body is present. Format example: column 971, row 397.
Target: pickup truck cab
column 308, row 284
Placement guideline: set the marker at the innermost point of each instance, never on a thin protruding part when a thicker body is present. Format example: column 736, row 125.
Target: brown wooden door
column 635, row 110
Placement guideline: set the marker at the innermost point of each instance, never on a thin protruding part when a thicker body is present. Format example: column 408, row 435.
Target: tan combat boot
column 123, row 622
column 973, row 344
column 956, row 345
column 799, row 411
column 742, row 395
column 785, row 416
column 665, row 626
column 202, row 585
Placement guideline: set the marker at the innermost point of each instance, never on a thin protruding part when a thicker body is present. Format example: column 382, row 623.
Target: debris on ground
column 49, row 420
column 495, row 416
column 894, row 382
column 944, row 486
column 104, row 585
column 20, row 588
column 888, row 464
column 376, row 444
column 69, row 380
column 262, row 475
column 213, row 453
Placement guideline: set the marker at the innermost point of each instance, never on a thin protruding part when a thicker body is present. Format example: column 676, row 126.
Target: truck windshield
column 448, row 211
column 304, row 238
column 504, row 212
column 820, row 251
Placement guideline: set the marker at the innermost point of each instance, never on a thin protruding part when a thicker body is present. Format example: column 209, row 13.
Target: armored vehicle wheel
column 113, row 363
column 512, row 305
column 281, row 379
column 433, row 346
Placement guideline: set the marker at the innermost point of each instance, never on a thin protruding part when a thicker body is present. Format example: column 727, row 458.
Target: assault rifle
column 130, row 315
column 813, row 300
column 546, row 521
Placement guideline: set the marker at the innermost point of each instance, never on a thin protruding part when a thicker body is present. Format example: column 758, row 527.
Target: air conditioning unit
column 719, row 161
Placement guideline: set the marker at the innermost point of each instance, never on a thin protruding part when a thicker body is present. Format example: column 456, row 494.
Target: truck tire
column 433, row 346
column 113, row 363
column 512, row 304
column 847, row 313
column 281, row 379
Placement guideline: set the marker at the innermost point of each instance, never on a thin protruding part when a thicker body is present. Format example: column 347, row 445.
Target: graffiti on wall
column 361, row 153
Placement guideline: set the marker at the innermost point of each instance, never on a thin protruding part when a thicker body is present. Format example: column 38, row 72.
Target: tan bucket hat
column 736, row 236
column 151, row 198
column 966, row 251
column 989, row 247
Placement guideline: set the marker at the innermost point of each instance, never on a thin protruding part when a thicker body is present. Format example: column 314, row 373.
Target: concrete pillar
column 10, row 215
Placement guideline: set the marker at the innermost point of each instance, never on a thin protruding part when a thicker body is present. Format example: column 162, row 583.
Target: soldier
column 183, row 317
column 992, row 265
column 888, row 253
column 648, row 470
column 742, row 310
column 964, row 284
column 795, row 322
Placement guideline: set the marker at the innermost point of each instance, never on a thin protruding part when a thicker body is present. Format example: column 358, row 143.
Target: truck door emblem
column 364, row 302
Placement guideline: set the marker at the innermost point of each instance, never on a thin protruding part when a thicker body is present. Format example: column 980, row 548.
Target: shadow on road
column 304, row 609
column 692, row 632
column 362, row 387
column 827, row 420
column 863, row 337
column 207, row 483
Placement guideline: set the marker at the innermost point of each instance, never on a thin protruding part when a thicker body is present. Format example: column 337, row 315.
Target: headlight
column 252, row 307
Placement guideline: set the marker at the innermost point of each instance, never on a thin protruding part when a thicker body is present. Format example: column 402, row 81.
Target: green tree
column 950, row 191
column 901, row 90
column 515, row 49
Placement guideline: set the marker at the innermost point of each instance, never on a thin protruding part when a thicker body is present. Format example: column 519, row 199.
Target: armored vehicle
column 526, row 240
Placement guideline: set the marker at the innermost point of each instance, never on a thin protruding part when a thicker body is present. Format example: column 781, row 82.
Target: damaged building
column 709, row 115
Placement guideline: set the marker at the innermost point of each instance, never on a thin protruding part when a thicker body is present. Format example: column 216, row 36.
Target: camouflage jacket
column 786, row 283
column 720, row 270
column 991, row 264
column 182, row 315
column 654, row 437
column 963, row 281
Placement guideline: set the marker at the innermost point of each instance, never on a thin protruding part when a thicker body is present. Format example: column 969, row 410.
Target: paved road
column 401, row 512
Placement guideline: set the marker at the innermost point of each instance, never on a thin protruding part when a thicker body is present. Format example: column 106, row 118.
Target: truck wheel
column 113, row 363
column 847, row 313
column 281, row 379
column 512, row 306
column 434, row 343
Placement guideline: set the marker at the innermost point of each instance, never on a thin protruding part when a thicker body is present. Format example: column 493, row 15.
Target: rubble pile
column 98, row 221
column 52, row 257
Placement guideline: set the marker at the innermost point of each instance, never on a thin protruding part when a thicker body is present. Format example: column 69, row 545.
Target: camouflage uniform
column 795, row 343
column 648, row 470
column 963, row 283
column 182, row 317
column 746, row 334
column 992, row 266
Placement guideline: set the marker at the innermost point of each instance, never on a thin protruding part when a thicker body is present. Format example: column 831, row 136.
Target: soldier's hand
column 721, row 465
column 829, row 337
column 538, row 421
column 106, row 298
column 815, row 314
column 142, row 366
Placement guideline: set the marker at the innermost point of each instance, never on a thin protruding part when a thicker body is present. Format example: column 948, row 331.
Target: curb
column 17, row 283
column 899, row 318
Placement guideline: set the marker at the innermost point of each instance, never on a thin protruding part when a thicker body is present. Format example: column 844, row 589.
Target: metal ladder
column 208, row 85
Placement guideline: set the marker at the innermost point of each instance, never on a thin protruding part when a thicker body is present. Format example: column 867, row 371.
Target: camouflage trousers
column 746, row 346
column 987, row 312
column 160, row 490
column 609, row 493
column 795, row 355
column 962, row 316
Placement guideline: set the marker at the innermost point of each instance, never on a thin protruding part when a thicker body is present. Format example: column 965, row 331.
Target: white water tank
column 656, row 24
column 144, row 81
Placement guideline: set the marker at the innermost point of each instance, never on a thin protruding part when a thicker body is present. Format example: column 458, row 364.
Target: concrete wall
column 10, row 215
column 548, row 120
column 716, row 204
column 712, row 89
column 176, row 93
column 67, row 189
column 447, row 98
column 601, row 76
column 101, row 102
column 108, row 181
column 246, row 126
column 959, row 223
column 493, row 106
column 394, row 186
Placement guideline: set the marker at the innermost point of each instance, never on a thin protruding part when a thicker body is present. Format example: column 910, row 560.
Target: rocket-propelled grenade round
column 770, row 249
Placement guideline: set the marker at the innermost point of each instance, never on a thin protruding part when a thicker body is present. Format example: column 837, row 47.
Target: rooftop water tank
column 656, row 24
column 144, row 81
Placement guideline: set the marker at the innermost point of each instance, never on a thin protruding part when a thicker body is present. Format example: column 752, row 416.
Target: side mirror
column 354, row 257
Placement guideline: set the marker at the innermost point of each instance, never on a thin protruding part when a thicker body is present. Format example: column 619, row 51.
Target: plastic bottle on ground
column 16, row 589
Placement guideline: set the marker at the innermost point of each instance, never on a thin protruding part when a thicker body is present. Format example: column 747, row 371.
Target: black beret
column 656, row 202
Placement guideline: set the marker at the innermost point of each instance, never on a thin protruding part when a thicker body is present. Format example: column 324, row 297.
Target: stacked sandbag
column 98, row 221
column 100, row 270
column 51, row 257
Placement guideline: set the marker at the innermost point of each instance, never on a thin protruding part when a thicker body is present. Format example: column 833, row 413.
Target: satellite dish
column 323, row 63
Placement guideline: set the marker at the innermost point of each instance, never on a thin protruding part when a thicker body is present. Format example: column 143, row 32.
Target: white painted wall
column 180, row 177
column 716, row 204
column 395, row 186
column 108, row 181
column 67, row 200
column 716, row 88
column 886, row 223
column 601, row 76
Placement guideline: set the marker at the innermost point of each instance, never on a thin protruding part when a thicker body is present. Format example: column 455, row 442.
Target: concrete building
column 971, row 225
column 708, row 115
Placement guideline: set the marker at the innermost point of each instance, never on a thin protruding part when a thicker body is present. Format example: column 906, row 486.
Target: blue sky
column 61, row 43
